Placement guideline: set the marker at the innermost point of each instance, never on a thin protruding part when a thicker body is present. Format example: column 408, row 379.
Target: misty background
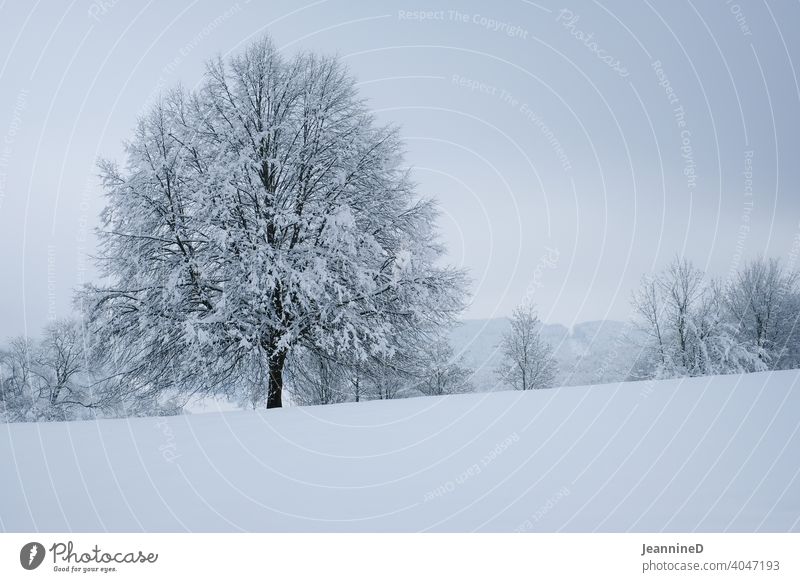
column 572, row 147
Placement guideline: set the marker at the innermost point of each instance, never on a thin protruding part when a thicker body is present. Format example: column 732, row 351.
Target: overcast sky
column 573, row 147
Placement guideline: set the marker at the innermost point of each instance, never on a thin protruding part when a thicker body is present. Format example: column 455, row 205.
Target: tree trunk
column 275, row 385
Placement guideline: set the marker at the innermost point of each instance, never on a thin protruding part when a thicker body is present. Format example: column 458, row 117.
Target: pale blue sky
column 513, row 120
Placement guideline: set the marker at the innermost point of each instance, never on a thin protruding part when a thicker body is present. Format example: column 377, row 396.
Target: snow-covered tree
column 61, row 368
column 649, row 306
column 55, row 378
column 713, row 344
column 687, row 326
column 441, row 372
column 48, row 378
column 265, row 212
column 528, row 361
column 18, row 393
column 762, row 300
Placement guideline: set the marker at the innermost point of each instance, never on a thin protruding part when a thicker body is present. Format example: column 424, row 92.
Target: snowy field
column 705, row 454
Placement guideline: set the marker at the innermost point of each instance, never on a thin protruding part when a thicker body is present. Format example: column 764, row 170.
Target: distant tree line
column 63, row 376
column 689, row 325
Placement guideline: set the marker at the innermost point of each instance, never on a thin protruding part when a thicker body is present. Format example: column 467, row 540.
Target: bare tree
column 18, row 392
column 528, row 361
column 648, row 304
column 441, row 372
column 683, row 288
column 61, row 367
column 664, row 305
column 46, row 379
column 57, row 377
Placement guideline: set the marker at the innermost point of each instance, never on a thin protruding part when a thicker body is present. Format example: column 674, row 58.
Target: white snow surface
column 705, row 454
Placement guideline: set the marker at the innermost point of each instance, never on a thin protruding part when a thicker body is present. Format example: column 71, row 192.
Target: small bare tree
column 61, row 368
column 17, row 380
column 441, row 372
column 528, row 361
column 648, row 304
column 683, row 288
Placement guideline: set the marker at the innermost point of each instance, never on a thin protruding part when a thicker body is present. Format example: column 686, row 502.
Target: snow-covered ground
column 707, row 454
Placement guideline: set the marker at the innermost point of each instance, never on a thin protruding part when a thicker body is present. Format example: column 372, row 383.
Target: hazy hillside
column 593, row 352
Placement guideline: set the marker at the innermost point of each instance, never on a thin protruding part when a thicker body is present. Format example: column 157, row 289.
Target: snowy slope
column 704, row 454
